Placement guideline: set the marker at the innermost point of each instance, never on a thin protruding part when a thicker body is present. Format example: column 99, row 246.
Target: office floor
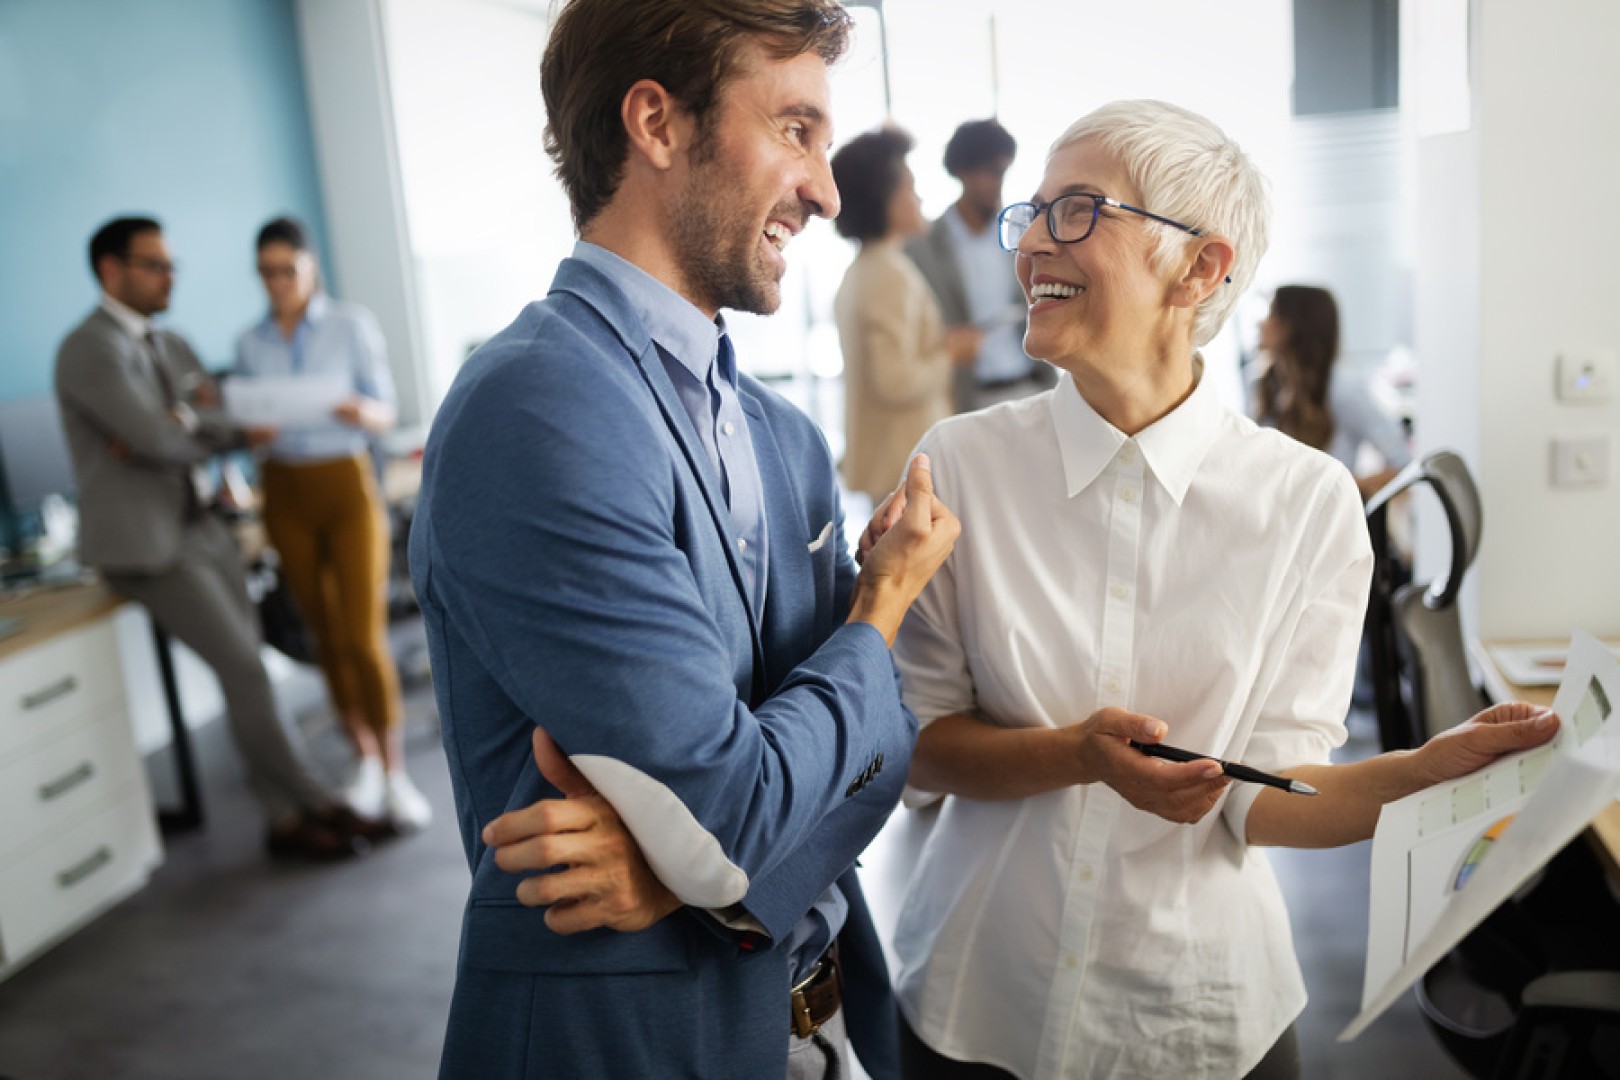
column 228, row 965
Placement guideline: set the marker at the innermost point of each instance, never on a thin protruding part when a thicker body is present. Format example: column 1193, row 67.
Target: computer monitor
column 34, row 461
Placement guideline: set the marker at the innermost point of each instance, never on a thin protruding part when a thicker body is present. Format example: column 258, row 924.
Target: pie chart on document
column 1478, row 850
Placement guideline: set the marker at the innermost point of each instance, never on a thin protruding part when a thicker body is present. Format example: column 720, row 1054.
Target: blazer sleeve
column 899, row 332
column 552, row 550
column 93, row 378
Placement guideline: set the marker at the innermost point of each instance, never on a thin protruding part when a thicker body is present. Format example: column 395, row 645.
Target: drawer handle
column 67, row 685
column 67, row 782
column 66, row 879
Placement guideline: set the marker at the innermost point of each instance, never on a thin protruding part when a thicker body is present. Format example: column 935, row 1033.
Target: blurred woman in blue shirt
column 323, row 511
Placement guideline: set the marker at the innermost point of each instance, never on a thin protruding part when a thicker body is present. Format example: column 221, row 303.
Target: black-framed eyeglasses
column 155, row 266
column 1071, row 218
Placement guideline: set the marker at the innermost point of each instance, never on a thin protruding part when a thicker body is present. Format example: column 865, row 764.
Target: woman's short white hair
column 1186, row 168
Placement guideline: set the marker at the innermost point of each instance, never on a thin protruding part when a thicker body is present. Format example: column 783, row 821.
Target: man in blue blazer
column 627, row 547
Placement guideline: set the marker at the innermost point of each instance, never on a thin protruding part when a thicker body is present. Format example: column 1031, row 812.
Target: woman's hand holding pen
column 1179, row 792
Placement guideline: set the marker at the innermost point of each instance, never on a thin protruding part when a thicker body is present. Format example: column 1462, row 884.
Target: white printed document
column 284, row 401
column 1444, row 858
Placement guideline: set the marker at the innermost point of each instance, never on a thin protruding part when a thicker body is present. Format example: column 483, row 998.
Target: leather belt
column 819, row 996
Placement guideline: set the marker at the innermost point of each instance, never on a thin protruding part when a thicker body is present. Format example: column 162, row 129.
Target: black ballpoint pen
column 1230, row 768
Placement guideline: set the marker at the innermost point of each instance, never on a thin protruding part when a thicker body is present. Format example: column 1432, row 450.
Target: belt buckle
column 804, row 1025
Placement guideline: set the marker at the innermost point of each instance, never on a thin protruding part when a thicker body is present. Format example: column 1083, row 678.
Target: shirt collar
column 670, row 319
column 314, row 312
column 1172, row 446
column 133, row 322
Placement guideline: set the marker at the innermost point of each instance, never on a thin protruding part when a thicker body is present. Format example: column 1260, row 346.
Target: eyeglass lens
column 156, row 266
column 1070, row 217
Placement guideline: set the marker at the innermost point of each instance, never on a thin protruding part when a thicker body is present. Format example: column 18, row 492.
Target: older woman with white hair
column 1137, row 562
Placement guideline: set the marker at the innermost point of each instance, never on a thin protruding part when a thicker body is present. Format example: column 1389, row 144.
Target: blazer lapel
column 594, row 289
column 789, row 599
column 680, row 425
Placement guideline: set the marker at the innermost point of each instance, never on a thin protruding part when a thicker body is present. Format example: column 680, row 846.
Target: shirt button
column 1071, row 960
column 1128, row 494
column 1086, row 873
column 727, row 428
column 742, row 544
column 1112, row 686
column 1127, row 453
column 1119, row 590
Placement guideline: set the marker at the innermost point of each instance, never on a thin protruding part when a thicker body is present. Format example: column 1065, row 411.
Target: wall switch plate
column 1587, row 376
column 1580, row 461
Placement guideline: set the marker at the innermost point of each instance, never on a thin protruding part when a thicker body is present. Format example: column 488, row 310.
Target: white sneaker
column 366, row 790
column 405, row 806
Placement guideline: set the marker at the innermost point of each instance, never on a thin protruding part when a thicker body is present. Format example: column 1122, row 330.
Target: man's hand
column 901, row 561
column 204, row 394
column 259, row 436
column 1182, row 792
column 1501, row 729
column 883, row 519
column 600, row 878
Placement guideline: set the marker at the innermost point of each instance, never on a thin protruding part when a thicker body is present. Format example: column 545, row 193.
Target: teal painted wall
column 192, row 111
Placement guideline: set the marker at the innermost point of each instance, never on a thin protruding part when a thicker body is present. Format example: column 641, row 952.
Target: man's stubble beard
column 717, row 242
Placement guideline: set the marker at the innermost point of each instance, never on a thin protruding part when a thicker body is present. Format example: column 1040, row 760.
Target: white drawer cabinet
column 77, row 827
column 56, row 682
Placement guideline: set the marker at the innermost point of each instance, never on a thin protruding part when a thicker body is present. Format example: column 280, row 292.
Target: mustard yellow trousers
column 327, row 522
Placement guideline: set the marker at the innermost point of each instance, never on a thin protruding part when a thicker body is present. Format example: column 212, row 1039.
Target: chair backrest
column 1420, row 659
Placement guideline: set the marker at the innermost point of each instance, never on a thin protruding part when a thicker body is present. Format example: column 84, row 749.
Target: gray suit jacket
column 935, row 255
column 134, row 500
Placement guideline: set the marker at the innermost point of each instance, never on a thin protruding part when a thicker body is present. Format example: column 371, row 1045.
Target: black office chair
column 1534, row 992
column 1421, row 681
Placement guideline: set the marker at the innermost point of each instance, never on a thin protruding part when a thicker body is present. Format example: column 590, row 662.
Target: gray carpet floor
column 228, row 965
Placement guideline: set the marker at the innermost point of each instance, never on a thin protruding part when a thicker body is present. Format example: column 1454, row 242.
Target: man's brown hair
column 600, row 48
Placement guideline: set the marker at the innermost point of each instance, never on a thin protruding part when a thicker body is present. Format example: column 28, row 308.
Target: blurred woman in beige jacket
column 898, row 355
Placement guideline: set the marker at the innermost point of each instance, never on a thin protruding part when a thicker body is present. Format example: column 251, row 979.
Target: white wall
column 488, row 222
column 346, row 79
column 1516, row 243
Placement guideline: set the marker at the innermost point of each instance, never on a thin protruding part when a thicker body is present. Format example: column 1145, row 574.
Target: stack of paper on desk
column 1444, row 858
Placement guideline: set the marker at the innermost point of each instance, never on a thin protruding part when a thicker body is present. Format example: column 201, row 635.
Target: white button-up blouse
column 1206, row 572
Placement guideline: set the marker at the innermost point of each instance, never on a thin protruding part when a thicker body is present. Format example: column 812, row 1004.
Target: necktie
column 200, row 478
column 158, row 370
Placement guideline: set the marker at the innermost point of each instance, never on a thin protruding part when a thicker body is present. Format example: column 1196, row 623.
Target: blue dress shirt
column 987, row 273
column 333, row 338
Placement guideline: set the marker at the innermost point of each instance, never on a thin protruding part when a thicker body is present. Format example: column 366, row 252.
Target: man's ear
column 656, row 124
column 1208, row 271
column 104, row 268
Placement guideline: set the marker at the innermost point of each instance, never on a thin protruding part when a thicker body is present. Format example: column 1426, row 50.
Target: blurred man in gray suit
column 972, row 277
column 141, row 416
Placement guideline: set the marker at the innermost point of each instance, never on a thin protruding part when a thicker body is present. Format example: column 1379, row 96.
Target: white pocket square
column 821, row 541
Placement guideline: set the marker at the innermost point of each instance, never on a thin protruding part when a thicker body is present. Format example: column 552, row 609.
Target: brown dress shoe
column 342, row 819
column 309, row 838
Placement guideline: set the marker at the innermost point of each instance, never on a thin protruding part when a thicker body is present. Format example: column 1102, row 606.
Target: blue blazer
column 574, row 559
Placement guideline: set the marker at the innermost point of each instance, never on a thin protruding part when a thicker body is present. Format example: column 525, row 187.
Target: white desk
column 77, row 830
column 1605, row 830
